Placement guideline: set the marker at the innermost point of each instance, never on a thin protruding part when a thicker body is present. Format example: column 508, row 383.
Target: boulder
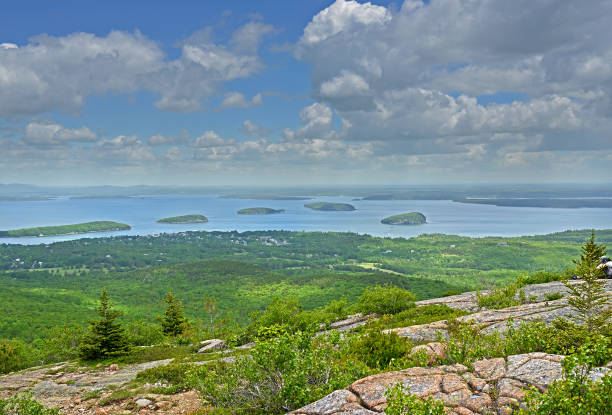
column 142, row 402
column 212, row 345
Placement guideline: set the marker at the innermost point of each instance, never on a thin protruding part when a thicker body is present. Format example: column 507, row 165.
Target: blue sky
column 315, row 92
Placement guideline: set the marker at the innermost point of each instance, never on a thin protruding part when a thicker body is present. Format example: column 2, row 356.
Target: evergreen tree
column 588, row 298
column 591, row 253
column 173, row 321
column 105, row 336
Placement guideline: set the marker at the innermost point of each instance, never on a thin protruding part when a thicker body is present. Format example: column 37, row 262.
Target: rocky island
column 259, row 211
column 184, row 219
column 326, row 206
column 411, row 218
column 78, row 228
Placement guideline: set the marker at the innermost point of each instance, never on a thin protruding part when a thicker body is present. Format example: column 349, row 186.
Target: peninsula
column 78, row 228
column 411, row 218
column 326, row 206
column 195, row 218
column 259, row 211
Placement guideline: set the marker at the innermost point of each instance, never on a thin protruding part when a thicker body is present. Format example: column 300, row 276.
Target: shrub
column 280, row 375
column 553, row 296
column 501, row 297
column 143, row 333
column 401, row 402
column 466, row 343
column 174, row 375
column 61, row 343
column 24, row 404
column 418, row 315
column 15, row 355
column 386, row 299
column 376, row 349
column 577, row 393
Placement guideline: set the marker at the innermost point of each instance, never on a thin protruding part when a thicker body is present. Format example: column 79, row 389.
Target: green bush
column 24, row 404
column 61, row 343
column 143, row 333
column 577, row 393
column 418, row 315
column 466, row 343
column 280, row 375
column 501, row 297
column 174, row 375
column 553, row 296
column 385, row 299
column 401, row 402
column 15, row 355
column 376, row 349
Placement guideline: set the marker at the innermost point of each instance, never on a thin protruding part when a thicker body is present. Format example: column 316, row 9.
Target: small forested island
column 195, row 218
column 326, row 206
column 411, row 218
column 98, row 226
column 259, row 211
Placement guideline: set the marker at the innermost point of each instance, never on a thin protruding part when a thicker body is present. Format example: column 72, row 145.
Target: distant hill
column 259, row 211
column 411, row 218
column 326, row 206
column 185, row 219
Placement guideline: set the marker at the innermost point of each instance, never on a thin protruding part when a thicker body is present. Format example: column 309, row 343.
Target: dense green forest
column 98, row 226
column 49, row 285
column 411, row 218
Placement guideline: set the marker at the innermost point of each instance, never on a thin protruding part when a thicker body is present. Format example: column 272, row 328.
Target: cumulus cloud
column 210, row 139
column 160, row 140
column 410, row 80
column 238, row 100
column 53, row 134
column 58, row 73
column 251, row 129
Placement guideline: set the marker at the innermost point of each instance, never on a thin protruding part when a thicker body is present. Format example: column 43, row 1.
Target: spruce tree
column 173, row 321
column 105, row 336
column 591, row 253
column 588, row 298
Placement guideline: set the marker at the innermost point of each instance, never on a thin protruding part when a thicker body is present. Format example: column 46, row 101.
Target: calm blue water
column 442, row 216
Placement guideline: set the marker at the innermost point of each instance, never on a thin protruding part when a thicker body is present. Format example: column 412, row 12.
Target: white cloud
column 210, row 139
column 53, row 134
column 251, row 129
column 408, row 80
column 58, row 73
column 8, row 46
column 238, row 100
column 343, row 16
column 160, row 140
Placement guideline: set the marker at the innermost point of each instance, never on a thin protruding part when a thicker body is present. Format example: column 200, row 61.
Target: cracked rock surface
column 493, row 386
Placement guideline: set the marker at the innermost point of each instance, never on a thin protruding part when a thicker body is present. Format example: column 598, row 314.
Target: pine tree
column 105, row 336
column 591, row 253
column 173, row 321
column 588, row 298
